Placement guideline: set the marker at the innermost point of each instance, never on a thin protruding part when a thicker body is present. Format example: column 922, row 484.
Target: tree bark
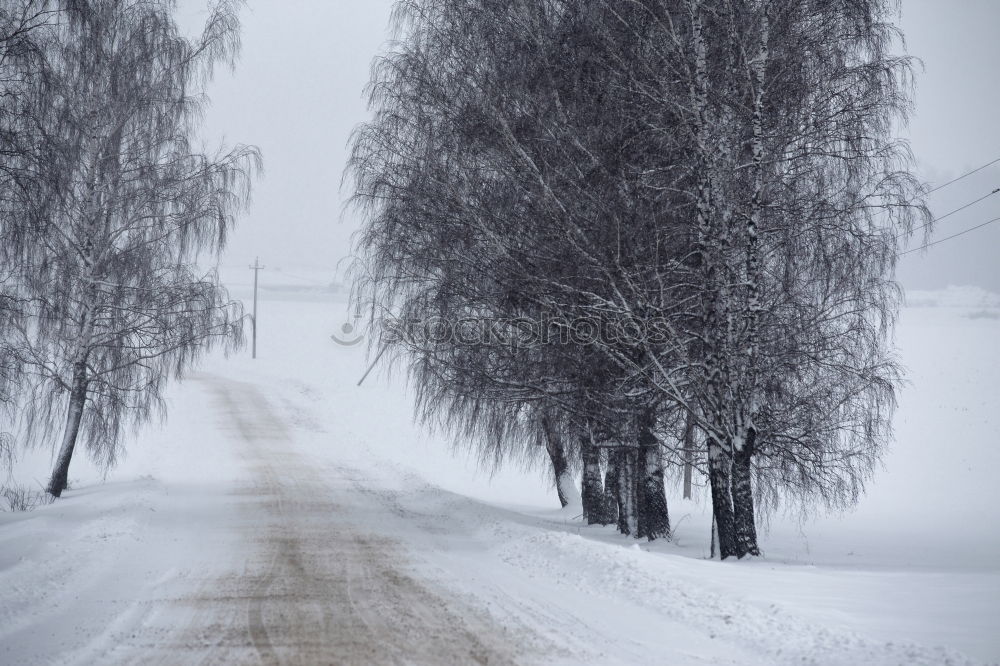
column 77, row 399
column 652, row 517
column 593, row 491
column 743, row 508
column 688, row 454
column 713, row 538
column 627, row 513
column 719, row 477
column 565, row 486
column 611, row 475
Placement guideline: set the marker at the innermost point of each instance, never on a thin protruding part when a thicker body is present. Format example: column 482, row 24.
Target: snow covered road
column 305, row 585
column 283, row 515
column 316, row 588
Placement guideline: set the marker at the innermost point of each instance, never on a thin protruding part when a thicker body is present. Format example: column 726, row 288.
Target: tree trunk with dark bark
column 743, row 507
column 611, row 475
column 77, row 400
column 565, row 487
column 592, row 496
column 688, row 454
column 719, row 477
column 652, row 517
column 627, row 511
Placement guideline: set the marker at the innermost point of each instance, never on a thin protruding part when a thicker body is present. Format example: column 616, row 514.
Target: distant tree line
column 715, row 182
column 106, row 206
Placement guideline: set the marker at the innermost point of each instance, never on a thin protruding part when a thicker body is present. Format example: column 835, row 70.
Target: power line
column 949, row 214
column 964, row 175
column 960, row 233
column 957, row 210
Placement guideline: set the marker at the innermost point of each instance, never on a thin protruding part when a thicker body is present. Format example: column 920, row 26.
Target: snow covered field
column 284, row 514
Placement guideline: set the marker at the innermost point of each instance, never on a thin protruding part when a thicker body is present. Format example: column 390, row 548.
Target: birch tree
column 721, row 171
column 116, row 304
column 469, row 172
column 26, row 27
column 798, row 192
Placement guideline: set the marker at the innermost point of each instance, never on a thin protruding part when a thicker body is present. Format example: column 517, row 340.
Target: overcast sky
column 297, row 93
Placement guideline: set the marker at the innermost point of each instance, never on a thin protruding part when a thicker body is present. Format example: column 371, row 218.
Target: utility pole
column 256, row 268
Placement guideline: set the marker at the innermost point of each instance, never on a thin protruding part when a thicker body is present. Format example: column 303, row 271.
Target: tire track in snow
column 274, row 431
column 316, row 587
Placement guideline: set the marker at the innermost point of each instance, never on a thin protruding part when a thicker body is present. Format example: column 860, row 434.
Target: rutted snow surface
column 294, row 518
column 304, row 585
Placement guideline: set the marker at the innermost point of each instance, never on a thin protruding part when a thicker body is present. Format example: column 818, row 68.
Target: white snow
column 911, row 576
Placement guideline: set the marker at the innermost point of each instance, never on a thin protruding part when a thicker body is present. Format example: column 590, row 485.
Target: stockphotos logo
column 515, row 332
column 349, row 333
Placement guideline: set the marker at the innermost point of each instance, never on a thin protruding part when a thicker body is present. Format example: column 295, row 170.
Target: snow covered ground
column 284, row 514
